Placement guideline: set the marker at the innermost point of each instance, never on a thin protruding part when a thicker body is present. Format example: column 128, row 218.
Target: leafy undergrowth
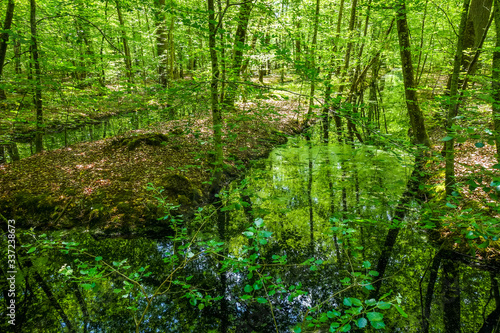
column 469, row 221
column 101, row 186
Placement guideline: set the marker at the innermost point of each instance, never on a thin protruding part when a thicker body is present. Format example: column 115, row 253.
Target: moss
column 180, row 186
column 150, row 139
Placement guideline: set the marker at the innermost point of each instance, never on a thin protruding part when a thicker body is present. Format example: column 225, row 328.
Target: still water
column 305, row 232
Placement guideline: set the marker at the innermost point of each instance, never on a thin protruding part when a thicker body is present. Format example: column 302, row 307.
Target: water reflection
column 335, row 203
column 97, row 130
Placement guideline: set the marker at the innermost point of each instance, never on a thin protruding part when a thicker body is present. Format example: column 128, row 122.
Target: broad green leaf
column 479, row 145
column 261, row 300
column 33, row 249
column 201, row 306
column 345, row 328
column 374, row 316
column 248, row 288
column 347, row 302
column 98, row 258
column 377, row 324
column 447, row 138
column 449, row 205
column 362, row 322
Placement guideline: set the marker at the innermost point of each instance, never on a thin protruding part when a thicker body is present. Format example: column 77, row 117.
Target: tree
column 4, row 40
column 414, row 112
column 37, row 82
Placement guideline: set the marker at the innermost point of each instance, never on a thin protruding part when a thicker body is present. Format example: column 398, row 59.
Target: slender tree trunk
column 496, row 79
column 4, row 38
column 161, row 43
column 313, row 69
column 126, row 49
column 214, row 98
column 233, row 72
column 414, row 112
column 37, row 79
column 454, row 103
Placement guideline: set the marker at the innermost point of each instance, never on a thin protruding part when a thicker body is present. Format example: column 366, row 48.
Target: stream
column 333, row 203
column 92, row 131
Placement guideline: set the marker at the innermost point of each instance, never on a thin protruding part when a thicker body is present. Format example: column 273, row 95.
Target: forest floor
column 473, row 212
column 102, row 185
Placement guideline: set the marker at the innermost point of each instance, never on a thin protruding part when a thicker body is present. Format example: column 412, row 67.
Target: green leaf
column 248, row 233
column 373, row 273
column 400, row 310
column 371, row 302
column 248, row 288
column 333, row 313
column 347, row 302
column 98, row 258
column 201, row 306
column 319, row 262
column 374, row 316
column 362, row 322
column 246, row 297
column 484, row 245
column 33, row 249
column 355, row 301
column 447, row 138
column 261, row 300
column 449, row 205
column 384, row 305
column 297, row 329
column 345, row 328
column 116, row 291
column 366, row 264
column 496, row 166
column 377, row 324
column 479, row 145
column 266, row 234
column 259, row 222
column 88, row 286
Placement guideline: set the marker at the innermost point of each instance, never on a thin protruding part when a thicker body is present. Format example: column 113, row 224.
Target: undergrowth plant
column 185, row 246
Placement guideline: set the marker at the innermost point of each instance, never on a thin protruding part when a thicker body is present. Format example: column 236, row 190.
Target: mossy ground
column 101, row 186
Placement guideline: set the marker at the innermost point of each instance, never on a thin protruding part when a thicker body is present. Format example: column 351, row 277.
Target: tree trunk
column 161, row 43
column 126, row 49
column 313, row 69
column 214, row 98
column 37, row 80
column 233, row 72
column 454, row 103
column 4, row 38
column 414, row 112
column 496, row 79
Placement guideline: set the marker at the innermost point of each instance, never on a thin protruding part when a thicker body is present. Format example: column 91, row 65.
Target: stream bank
column 100, row 186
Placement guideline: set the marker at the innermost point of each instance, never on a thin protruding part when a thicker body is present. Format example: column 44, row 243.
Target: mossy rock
column 181, row 187
column 150, row 139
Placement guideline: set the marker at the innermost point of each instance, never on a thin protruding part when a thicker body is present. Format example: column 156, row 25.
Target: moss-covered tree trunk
column 454, row 103
column 233, row 73
column 214, row 96
column 4, row 38
column 414, row 112
column 37, row 82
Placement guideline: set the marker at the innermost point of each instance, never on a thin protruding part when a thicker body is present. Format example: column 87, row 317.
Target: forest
column 250, row 166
